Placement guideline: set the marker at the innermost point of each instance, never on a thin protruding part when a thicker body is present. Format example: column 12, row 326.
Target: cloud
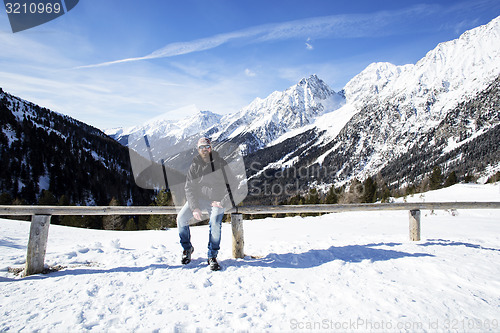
column 335, row 26
column 249, row 72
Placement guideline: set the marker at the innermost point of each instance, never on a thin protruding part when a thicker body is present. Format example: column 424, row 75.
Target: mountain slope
column 399, row 121
column 43, row 150
column 265, row 120
column 170, row 131
column 253, row 127
column 394, row 111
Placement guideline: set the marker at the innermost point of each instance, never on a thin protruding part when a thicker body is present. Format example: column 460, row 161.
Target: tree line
column 107, row 222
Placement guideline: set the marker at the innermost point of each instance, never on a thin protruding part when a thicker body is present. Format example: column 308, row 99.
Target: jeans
column 215, row 225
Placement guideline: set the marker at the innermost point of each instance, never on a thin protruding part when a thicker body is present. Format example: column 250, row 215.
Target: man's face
column 204, row 151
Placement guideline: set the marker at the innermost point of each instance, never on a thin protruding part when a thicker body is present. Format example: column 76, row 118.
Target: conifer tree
column 130, row 226
column 451, row 179
column 331, row 196
column 157, row 222
column 313, row 197
column 436, row 179
column 47, row 199
column 5, row 199
column 369, row 191
column 113, row 222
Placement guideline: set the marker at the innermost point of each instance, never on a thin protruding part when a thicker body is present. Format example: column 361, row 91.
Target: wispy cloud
column 335, row 26
column 249, row 72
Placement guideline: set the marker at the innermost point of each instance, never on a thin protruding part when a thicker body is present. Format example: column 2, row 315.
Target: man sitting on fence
column 207, row 188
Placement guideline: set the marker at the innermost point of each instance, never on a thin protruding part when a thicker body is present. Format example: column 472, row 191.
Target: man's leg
column 216, row 216
column 183, row 226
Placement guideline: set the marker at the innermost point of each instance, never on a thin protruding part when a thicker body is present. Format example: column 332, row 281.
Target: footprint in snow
column 207, row 283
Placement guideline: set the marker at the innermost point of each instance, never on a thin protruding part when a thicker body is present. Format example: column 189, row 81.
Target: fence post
column 37, row 244
column 415, row 225
column 238, row 240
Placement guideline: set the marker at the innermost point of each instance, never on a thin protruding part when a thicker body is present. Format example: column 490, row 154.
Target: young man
column 206, row 190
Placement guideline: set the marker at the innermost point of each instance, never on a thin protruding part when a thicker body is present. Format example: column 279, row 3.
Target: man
column 206, row 189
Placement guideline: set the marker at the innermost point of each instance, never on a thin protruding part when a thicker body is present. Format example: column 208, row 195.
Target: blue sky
column 114, row 63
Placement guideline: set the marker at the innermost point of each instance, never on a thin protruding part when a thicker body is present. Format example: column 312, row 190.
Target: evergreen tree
column 296, row 200
column 355, row 192
column 47, row 199
column 113, row 222
column 20, row 202
column 143, row 222
column 425, row 185
column 470, row 178
column 451, row 179
column 494, row 178
column 369, row 191
column 5, row 199
column 63, row 201
column 331, row 196
column 436, row 179
column 313, row 197
column 130, row 226
column 157, row 222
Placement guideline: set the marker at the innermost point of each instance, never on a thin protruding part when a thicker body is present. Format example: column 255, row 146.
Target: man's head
column 204, row 148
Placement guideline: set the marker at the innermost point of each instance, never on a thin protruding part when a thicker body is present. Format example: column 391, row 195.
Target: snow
column 342, row 272
column 460, row 192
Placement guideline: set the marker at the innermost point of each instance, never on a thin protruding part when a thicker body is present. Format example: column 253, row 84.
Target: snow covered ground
column 344, row 272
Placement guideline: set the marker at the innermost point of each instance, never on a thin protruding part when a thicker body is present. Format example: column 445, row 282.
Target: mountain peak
column 460, row 67
column 311, row 79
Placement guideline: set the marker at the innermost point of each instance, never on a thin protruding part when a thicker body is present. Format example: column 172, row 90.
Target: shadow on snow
column 314, row 258
column 309, row 259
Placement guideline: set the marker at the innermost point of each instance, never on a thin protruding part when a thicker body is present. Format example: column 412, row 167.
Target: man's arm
column 192, row 188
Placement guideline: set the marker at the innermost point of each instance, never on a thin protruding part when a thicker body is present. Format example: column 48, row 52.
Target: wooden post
column 238, row 240
column 415, row 225
column 37, row 244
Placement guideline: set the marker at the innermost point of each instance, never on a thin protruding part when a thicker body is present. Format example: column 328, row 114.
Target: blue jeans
column 215, row 225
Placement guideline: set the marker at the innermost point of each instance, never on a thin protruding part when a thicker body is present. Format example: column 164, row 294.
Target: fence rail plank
column 278, row 209
column 41, row 216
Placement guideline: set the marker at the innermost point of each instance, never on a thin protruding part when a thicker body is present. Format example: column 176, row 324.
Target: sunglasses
column 204, row 147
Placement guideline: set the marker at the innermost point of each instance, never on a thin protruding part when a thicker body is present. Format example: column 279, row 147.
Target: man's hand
column 216, row 204
column 197, row 214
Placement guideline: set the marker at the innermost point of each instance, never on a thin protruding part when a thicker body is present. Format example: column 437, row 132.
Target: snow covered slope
column 254, row 126
column 385, row 116
column 447, row 75
column 265, row 120
column 338, row 272
column 170, row 131
column 431, row 108
column 44, row 150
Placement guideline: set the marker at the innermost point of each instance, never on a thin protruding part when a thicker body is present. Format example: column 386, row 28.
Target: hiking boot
column 186, row 256
column 213, row 264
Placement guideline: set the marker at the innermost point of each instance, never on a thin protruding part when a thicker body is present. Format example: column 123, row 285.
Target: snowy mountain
column 253, row 127
column 397, row 122
column 428, row 89
column 171, row 131
column 265, row 120
column 43, row 150
column 393, row 110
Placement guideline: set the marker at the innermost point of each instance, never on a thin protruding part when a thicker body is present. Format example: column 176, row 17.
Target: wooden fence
column 41, row 215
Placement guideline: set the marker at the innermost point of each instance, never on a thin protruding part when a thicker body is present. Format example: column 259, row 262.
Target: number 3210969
column 32, row 8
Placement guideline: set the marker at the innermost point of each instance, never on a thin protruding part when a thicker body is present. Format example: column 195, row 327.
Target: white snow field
column 344, row 272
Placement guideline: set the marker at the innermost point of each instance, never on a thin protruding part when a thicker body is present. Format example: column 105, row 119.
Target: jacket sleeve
column 192, row 187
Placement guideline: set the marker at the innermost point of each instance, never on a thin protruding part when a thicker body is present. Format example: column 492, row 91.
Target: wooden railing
column 41, row 215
